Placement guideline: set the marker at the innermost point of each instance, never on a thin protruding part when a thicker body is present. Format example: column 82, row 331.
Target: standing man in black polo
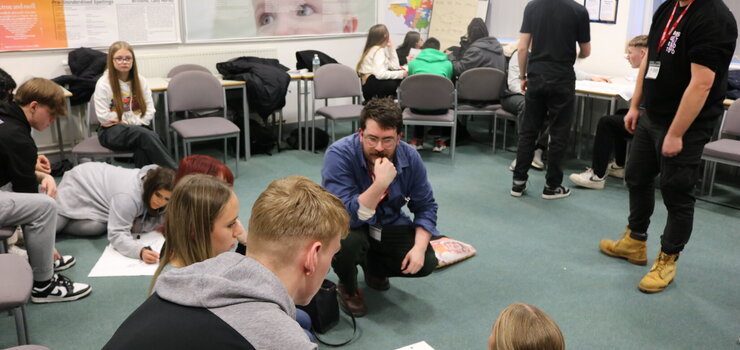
column 553, row 28
column 682, row 81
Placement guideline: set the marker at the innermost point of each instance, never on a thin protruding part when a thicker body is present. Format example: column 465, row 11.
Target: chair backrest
column 481, row 84
column 731, row 124
column 427, row 91
column 185, row 68
column 336, row 80
column 194, row 90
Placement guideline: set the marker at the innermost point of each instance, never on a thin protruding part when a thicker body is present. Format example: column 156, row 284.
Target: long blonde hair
column 523, row 327
column 194, row 206
column 376, row 36
column 136, row 90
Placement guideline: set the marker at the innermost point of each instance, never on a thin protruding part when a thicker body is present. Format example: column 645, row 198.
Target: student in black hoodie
column 37, row 104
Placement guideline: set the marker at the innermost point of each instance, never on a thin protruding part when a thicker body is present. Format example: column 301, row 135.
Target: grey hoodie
column 484, row 52
column 241, row 292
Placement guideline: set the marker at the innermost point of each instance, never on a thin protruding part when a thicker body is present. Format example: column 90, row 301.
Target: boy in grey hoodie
column 237, row 302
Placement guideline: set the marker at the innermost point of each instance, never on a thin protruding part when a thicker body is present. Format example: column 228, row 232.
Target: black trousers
column 678, row 176
column 143, row 142
column 378, row 258
column 550, row 99
column 515, row 104
column 379, row 88
column 610, row 135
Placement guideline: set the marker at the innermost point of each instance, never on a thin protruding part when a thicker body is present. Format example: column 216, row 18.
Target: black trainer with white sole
column 518, row 190
column 555, row 192
column 60, row 289
column 64, row 263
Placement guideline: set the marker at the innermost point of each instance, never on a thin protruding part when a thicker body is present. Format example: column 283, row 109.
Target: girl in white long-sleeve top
column 378, row 68
column 125, row 109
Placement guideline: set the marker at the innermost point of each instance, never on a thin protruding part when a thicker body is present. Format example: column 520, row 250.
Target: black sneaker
column 60, row 289
column 518, row 190
column 555, row 192
column 64, row 263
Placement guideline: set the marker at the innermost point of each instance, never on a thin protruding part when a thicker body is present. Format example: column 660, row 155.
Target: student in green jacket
column 429, row 61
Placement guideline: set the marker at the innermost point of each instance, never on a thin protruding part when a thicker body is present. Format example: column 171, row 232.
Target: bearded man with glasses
column 375, row 174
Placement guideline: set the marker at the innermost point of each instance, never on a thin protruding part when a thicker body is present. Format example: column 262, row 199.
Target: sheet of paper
column 113, row 263
column 422, row 345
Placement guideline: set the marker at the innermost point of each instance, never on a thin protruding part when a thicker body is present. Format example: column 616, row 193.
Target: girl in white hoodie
column 124, row 106
column 378, row 68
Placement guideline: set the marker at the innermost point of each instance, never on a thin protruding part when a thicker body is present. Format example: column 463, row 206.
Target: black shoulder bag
column 324, row 312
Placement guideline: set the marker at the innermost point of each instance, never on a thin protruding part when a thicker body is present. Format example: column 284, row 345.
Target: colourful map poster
column 405, row 15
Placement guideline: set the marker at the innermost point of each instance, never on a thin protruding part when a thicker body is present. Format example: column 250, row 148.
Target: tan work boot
column 660, row 275
column 626, row 248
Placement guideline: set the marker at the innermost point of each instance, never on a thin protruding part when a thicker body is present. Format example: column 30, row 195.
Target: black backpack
column 322, row 138
column 261, row 140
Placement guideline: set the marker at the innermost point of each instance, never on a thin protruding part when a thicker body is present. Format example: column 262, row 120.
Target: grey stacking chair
column 479, row 92
column 194, row 91
column 91, row 147
column 429, row 92
column 5, row 233
column 28, row 347
column 724, row 150
column 186, row 68
column 335, row 81
column 16, row 281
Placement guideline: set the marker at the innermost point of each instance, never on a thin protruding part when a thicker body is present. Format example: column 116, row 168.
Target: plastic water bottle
column 315, row 63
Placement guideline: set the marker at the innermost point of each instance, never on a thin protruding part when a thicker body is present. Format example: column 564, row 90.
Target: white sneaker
column 537, row 160
column 615, row 170
column 588, row 179
column 59, row 289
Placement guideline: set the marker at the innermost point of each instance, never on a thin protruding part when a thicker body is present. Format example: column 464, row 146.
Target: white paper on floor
column 422, row 345
column 113, row 263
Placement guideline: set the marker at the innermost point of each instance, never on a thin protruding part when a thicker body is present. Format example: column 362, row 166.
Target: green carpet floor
column 529, row 250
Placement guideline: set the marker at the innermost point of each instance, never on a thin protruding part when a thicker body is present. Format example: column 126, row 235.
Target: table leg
column 298, row 104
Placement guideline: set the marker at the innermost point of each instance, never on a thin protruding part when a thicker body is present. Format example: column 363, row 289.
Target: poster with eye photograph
column 244, row 19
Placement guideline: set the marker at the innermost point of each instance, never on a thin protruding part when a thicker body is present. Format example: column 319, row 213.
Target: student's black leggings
column 379, row 88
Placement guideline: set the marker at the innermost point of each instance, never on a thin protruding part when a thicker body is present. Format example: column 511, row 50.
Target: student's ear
column 350, row 25
column 312, row 257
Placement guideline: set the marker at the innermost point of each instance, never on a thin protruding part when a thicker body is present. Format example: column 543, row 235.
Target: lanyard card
column 653, row 70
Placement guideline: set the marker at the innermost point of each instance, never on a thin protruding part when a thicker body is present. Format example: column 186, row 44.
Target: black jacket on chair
column 267, row 82
column 87, row 65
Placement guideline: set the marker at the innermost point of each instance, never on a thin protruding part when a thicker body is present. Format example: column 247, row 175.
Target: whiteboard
column 59, row 24
column 450, row 19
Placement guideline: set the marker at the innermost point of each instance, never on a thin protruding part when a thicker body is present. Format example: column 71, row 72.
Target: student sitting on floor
column 237, row 302
column 201, row 222
column 36, row 104
column 95, row 198
column 523, row 326
column 611, row 134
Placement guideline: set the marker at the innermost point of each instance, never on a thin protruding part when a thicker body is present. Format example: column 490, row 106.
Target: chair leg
column 711, row 177
column 506, row 125
column 454, row 140
column 495, row 129
column 236, row 161
column 20, row 324
column 225, row 145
